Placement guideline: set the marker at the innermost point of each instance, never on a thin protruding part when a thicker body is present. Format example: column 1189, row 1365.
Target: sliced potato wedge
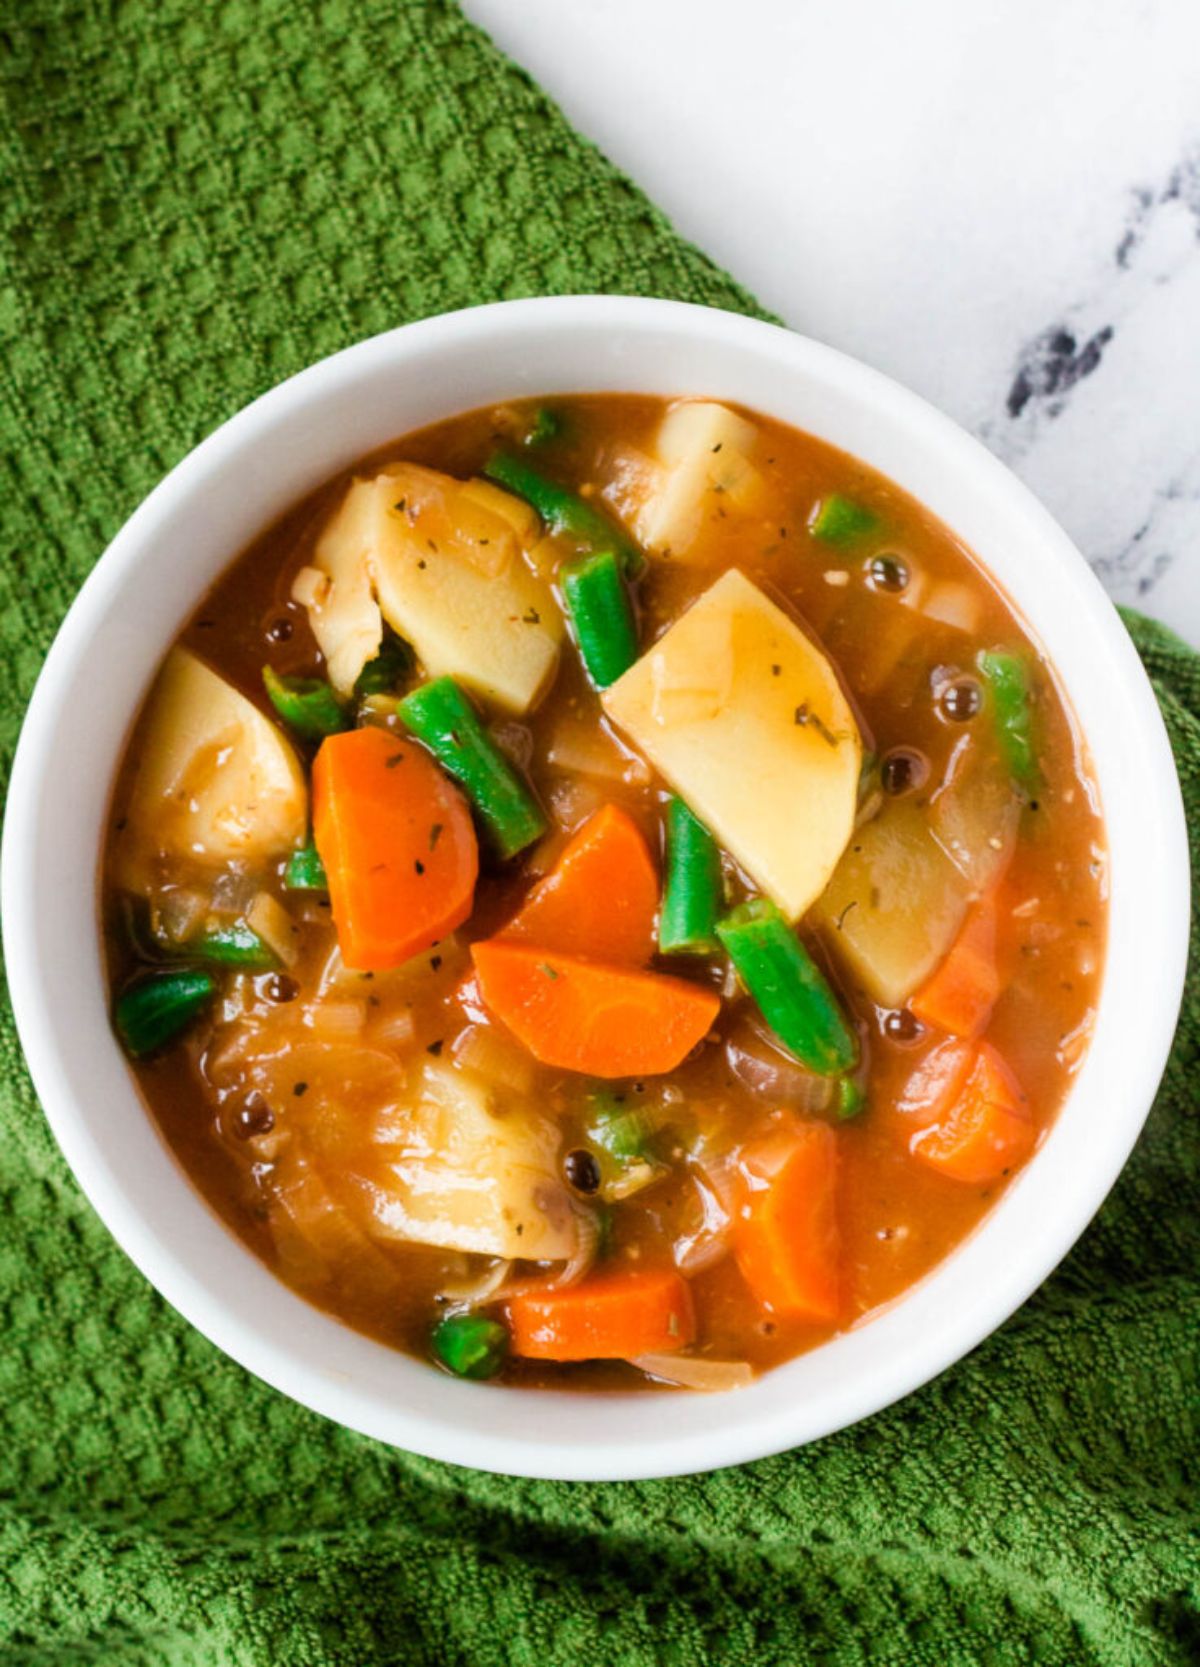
column 894, row 906
column 745, row 717
column 703, row 453
column 216, row 780
column 344, row 614
column 463, row 1173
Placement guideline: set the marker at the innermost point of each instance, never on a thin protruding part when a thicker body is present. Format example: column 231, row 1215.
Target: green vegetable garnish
column 149, row 1012
column 790, row 989
column 851, row 1098
column 440, row 715
column 546, row 426
column 232, row 946
column 305, row 871
column 842, row 521
column 619, row 1130
column 470, row 1346
column 692, row 893
column 390, row 666
column 306, row 704
column 1007, row 677
column 564, row 511
column 601, row 617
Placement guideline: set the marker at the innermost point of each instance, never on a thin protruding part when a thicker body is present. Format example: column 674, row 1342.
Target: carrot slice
column 786, row 1241
column 605, row 1021
column 615, row 1316
column 985, row 1131
column 601, row 898
column 396, row 840
column 962, row 992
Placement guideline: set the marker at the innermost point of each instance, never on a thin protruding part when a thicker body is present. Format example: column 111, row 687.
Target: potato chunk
column 746, row 719
column 703, row 451
column 216, row 780
column 461, row 1172
column 451, row 577
column 895, row 904
column 343, row 613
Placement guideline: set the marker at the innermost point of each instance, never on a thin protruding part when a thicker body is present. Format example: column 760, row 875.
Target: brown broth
column 897, row 1218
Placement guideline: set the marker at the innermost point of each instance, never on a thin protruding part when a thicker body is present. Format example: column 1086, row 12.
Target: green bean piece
column 440, row 715
column 563, row 511
column 306, row 704
column 692, row 894
column 601, row 617
column 390, row 666
column 792, row 993
column 305, row 871
column 1007, row 677
column 232, row 946
column 470, row 1346
column 155, row 1008
column 851, row 1099
column 842, row 521
column 546, row 426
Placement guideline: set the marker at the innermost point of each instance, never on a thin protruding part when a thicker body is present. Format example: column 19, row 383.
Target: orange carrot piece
column 614, row 1316
column 396, row 839
column 786, row 1241
column 600, row 900
column 985, row 1131
column 962, row 992
column 604, row 1021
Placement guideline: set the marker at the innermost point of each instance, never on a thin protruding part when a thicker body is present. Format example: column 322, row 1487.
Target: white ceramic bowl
column 149, row 581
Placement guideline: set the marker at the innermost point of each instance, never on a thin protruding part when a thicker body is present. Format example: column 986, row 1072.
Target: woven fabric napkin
column 197, row 198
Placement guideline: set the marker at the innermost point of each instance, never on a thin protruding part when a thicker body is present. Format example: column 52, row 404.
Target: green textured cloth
column 197, row 198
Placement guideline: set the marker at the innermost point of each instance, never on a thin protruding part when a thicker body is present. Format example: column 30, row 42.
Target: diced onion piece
column 772, row 1075
column 473, row 1292
column 588, row 750
column 275, row 926
column 694, row 1372
column 953, row 604
column 394, row 1030
column 482, row 1050
column 310, row 587
column 632, row 1178
column 180, row 912
column 336, row 1021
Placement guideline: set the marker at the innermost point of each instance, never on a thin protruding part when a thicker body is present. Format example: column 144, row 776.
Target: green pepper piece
column 1007, row 677
column 470, row 1346
column 305, row 871
column 306, row 704
column 692, row 893
column 842, row 521
column 155, row 1008
column 790, row 989
column 440, row 715
column 563, row 511
column 601, row 617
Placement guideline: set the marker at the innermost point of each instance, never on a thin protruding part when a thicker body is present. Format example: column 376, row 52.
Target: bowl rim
column 454, row 1428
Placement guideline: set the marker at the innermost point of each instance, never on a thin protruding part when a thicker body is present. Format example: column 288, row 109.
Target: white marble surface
column 995, row 201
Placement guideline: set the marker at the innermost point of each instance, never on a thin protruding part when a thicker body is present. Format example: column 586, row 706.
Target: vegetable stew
column 604, row 893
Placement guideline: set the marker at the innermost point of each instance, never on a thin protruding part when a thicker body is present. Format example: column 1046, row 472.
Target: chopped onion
column 589, row 751
column 633, row 1178
column 953, row 604
column 472, row 1293
column 310, row 587
column 479, row 1049
column 573, row 801
column 587, row 1244
column 694, row 1372
column 268, row 917
column 393, row 1030
column 765, row 1071
column 335, row 1021
column 515, row 742
column 180, row 912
